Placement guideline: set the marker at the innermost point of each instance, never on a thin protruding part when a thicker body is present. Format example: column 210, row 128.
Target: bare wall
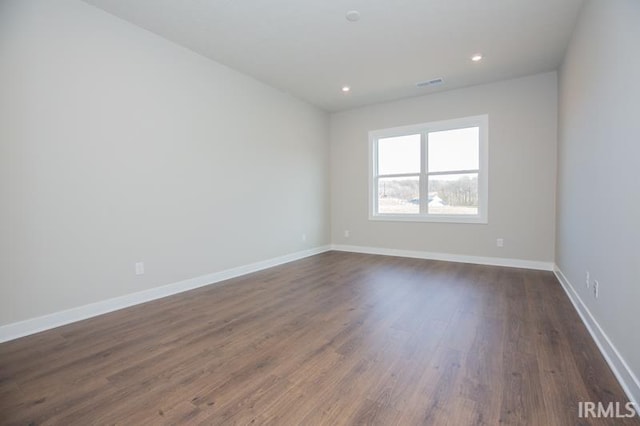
column 522, row 171
column 598, row 181
column 118, row 146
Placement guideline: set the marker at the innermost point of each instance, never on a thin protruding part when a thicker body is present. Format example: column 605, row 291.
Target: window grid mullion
column 454, row 172
column 397, row 175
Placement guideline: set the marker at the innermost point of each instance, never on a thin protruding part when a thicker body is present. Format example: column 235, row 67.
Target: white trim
column 57, row 319
column 437, row 218
column 448, row 257
column 482, row 217
column 627, row 379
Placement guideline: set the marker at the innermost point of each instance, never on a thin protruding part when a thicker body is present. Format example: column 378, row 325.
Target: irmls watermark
column 612, row 410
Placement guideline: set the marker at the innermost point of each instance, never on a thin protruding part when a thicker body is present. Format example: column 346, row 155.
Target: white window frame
column 482, row 217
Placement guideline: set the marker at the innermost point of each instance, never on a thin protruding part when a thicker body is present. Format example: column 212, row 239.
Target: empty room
column 319, row 212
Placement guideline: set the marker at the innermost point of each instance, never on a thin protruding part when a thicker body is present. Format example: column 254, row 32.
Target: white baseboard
column 627, row 379
column 57, row 319
column 495, row 261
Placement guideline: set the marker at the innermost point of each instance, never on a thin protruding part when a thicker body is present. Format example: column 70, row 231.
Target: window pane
column 399, row 155
column 452, row 150
column 453, row 194
column 398, row 195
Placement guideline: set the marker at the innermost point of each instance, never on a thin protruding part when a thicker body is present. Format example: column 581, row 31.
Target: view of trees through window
column 453, row 194
column 448, row 194
column 449, row 175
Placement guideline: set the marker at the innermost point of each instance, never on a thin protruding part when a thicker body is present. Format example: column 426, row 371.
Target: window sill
column 429, row 218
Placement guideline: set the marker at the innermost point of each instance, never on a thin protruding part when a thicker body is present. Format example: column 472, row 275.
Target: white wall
column 522, row 171
column 118, row 146
column 598, row 174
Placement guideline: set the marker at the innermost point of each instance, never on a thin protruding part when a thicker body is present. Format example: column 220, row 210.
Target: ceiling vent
column 433, row 82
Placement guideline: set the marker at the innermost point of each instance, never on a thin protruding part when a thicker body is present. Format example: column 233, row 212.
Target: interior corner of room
column 133, row 168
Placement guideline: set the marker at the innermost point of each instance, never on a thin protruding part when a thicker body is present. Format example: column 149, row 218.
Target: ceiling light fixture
column 346, row 89
column 476, row 58
column 352, row 16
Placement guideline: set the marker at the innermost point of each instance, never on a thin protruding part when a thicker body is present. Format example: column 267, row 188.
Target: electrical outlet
column 304, row 237
column 586, row 279
column 139, row 268
column 596, row 289
column 346, row 233
column 500, row 242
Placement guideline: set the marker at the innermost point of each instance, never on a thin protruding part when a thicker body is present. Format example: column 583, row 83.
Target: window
column 432, row 172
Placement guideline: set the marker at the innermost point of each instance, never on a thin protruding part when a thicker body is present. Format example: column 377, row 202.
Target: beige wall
column 118, row 146
column 522, row 171
column 598, row 173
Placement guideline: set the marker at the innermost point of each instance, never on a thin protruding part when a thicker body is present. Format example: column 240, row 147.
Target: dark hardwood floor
column 333, row 339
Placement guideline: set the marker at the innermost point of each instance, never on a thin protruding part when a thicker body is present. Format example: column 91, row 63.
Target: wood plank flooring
column 334, row 339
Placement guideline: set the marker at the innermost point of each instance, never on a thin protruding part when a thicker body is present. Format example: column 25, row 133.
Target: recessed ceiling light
column 476, row 58
column 346, row 89
column 352, row 16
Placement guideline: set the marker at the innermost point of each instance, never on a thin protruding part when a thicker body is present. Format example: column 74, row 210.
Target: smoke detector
column 352, row 16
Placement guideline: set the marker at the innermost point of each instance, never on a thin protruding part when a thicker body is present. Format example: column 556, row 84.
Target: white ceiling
column 309, row 49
